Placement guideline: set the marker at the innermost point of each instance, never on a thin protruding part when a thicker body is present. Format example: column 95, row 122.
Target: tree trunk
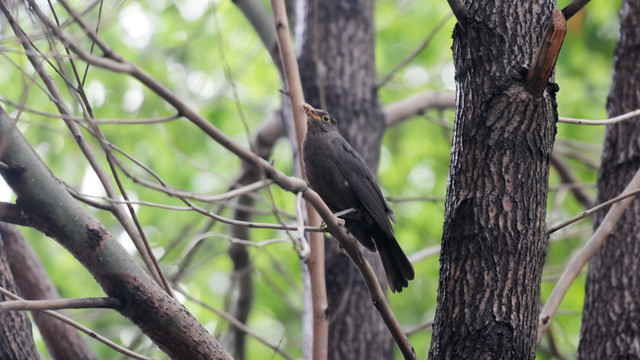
column 16, row 340
column 611, row 313
column 337, row 67
column 494, row 239
column 62, row 340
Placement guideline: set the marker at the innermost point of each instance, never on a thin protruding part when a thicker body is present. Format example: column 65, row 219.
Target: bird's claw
column 323, row 224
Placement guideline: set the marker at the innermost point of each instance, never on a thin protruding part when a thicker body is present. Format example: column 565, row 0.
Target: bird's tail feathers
column 396, row 265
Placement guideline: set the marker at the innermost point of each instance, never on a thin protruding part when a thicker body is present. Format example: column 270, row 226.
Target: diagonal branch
column 459, row 10
column 573, row 8
column 582, row 257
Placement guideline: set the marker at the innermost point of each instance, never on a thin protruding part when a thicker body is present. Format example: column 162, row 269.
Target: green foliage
column 206, row 53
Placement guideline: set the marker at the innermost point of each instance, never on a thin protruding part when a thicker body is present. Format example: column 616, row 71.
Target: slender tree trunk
column 337, row 67
column 62, row 340
column 494, row 239
column 611, row 313
column 16, row 340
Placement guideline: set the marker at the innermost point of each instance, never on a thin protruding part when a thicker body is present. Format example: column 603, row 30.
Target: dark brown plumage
column 341, row 178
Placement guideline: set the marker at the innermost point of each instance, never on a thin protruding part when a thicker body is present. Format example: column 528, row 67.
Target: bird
column 341, row 178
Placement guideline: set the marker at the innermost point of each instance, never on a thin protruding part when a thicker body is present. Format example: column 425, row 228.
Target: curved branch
column 399, row 111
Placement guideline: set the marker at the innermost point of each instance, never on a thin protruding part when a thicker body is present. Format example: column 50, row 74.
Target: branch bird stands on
column 341, row 178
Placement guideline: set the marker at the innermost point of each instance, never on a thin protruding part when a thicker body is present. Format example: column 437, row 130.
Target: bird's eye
column 326, row 118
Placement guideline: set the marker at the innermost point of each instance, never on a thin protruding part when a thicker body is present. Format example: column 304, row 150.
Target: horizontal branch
column 613, row 120
column 55, row 304
column 417, row 104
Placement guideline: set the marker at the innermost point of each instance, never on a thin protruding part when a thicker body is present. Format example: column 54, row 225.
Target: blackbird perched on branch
column 341, row 178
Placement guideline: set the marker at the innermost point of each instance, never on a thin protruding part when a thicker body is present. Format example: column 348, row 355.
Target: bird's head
column 319, row 120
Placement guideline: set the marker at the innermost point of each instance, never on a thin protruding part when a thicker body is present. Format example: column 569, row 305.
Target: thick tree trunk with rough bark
column 611, row 313
column 337, row 67
column 494, row 239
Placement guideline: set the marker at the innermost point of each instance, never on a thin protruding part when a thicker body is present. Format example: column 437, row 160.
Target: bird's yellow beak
column 311, row 111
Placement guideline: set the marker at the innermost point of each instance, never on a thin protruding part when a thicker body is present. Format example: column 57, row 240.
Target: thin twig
column 237, row 324
column 613, row 120
column 414, row 53
column 424, row 253
column 594, row 209
column 56, row 304
column 568, row 177
column 303, row 247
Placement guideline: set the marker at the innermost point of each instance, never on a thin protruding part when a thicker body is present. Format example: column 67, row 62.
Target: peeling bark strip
column 494, row 239
column 610, row 316
column 52, row 210
column 545, row 61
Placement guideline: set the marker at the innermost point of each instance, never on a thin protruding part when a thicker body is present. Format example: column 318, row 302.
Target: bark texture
column 337, row 67
column 494, row 239
column 611, row 313
column 62, row 340
column 16, row 340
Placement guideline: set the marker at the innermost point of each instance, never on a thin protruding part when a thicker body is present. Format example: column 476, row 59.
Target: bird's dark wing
column 359, row 177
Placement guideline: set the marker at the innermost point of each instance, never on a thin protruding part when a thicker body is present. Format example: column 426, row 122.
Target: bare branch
column 56, row 304
column 424, row 253
column 613, row 120
column 573, row 8
column 594, row 209
column 414, row 53
column 567, row 177
column 12, row 214
column 417, row 104
column 259, row 17
column 459, row 10
column 238, row 324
